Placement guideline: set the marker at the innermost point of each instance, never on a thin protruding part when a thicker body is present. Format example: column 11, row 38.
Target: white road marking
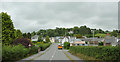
column 52, row 55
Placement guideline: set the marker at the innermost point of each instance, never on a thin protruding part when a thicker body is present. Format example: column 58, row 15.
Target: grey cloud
column 44, row 15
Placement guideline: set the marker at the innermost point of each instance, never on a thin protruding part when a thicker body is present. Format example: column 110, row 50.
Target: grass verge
column 84, row 57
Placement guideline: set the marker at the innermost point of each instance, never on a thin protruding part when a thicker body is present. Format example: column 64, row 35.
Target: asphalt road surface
column 54, row 54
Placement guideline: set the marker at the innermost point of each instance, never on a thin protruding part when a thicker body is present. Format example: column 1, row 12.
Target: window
column 83, row 44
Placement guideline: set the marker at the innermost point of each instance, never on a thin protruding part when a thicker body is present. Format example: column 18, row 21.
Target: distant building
column 110, row 41
column 93, row 43
column 65, row 39
column 52, row 39
column 34, row 38
column 119, row 42
column 70, row 32
column 79, row 42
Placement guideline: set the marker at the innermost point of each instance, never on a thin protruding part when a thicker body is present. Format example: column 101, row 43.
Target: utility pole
column 93, row 37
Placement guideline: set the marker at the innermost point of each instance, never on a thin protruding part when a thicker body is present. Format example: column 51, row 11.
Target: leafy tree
column 66, row 45
column 18, row 34
column 40, row 39
column 76, row 30
column 78, row 36
column 101, row 44
column 8, row 31
column 24, row 35
column 33, row 33
column 29, row 35
column 114, row 33
column 47, row 39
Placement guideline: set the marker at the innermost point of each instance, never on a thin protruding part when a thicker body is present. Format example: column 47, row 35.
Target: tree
column 100, row 43
column 24, row 35
column 114, row 33
column 33, row 33
column 76, row 30
column 8, row 31
column 40, row 39
column 18, row 33
column 66, row 45
column 29, row 35
column 78, row 36
column 47, row 39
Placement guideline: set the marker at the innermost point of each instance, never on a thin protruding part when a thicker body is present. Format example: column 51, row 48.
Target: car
column 59, row 46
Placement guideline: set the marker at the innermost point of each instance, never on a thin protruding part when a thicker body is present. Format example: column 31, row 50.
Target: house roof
column 78, row 40
column 34, row 37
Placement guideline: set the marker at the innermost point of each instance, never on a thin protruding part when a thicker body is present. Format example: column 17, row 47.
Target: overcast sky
column 34, row 16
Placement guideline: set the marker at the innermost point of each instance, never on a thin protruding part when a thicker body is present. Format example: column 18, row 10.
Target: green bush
column 98, row 52
column 33, row 50
column 44, row 45
column 66, row 45
column 13, row 53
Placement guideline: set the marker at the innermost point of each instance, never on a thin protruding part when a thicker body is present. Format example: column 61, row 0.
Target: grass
column 101, row 35
column 84, row 57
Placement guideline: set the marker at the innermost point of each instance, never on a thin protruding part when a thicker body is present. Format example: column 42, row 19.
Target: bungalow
column 79, row 42
column 93, row 43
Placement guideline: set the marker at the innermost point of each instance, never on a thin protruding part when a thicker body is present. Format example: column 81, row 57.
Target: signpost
column 29, row 45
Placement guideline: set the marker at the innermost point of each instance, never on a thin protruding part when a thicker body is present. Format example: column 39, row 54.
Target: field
column 100, row 35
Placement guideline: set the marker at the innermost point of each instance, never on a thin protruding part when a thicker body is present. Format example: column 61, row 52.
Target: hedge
column 43, row 46
column 98, row 52
column 14, row 53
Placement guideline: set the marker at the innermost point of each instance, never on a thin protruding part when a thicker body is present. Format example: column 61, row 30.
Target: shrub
column 34, row 41
column 66, row 45
column 43, row 46
column 33, row 50
column 13, row 53
column 47, row 39
column 100, row 43
column 98, row 52
column 24, row 41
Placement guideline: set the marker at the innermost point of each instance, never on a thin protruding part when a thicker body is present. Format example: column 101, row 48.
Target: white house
column 65, row 39
column 34, row 38
column 52, row 39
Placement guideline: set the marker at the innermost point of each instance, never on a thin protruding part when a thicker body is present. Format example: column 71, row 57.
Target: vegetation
column 47, row 39
column 40, row 39
column 18, row 34
column 77, row 35
column 24, row 41
column 42, row 45
column 66, row 45
column 98, row 52
column 14, row 53
column 83, row 31
column 8, row 31
column 100, row 35
column 27, row 35
column 100, row 44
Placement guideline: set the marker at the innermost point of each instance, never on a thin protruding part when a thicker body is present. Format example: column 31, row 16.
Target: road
column 54, row 54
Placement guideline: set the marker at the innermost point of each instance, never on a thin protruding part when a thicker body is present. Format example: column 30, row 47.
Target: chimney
column 107, row 34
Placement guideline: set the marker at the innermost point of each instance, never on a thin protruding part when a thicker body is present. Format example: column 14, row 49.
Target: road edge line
column 68, row 56
column 41, row 53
